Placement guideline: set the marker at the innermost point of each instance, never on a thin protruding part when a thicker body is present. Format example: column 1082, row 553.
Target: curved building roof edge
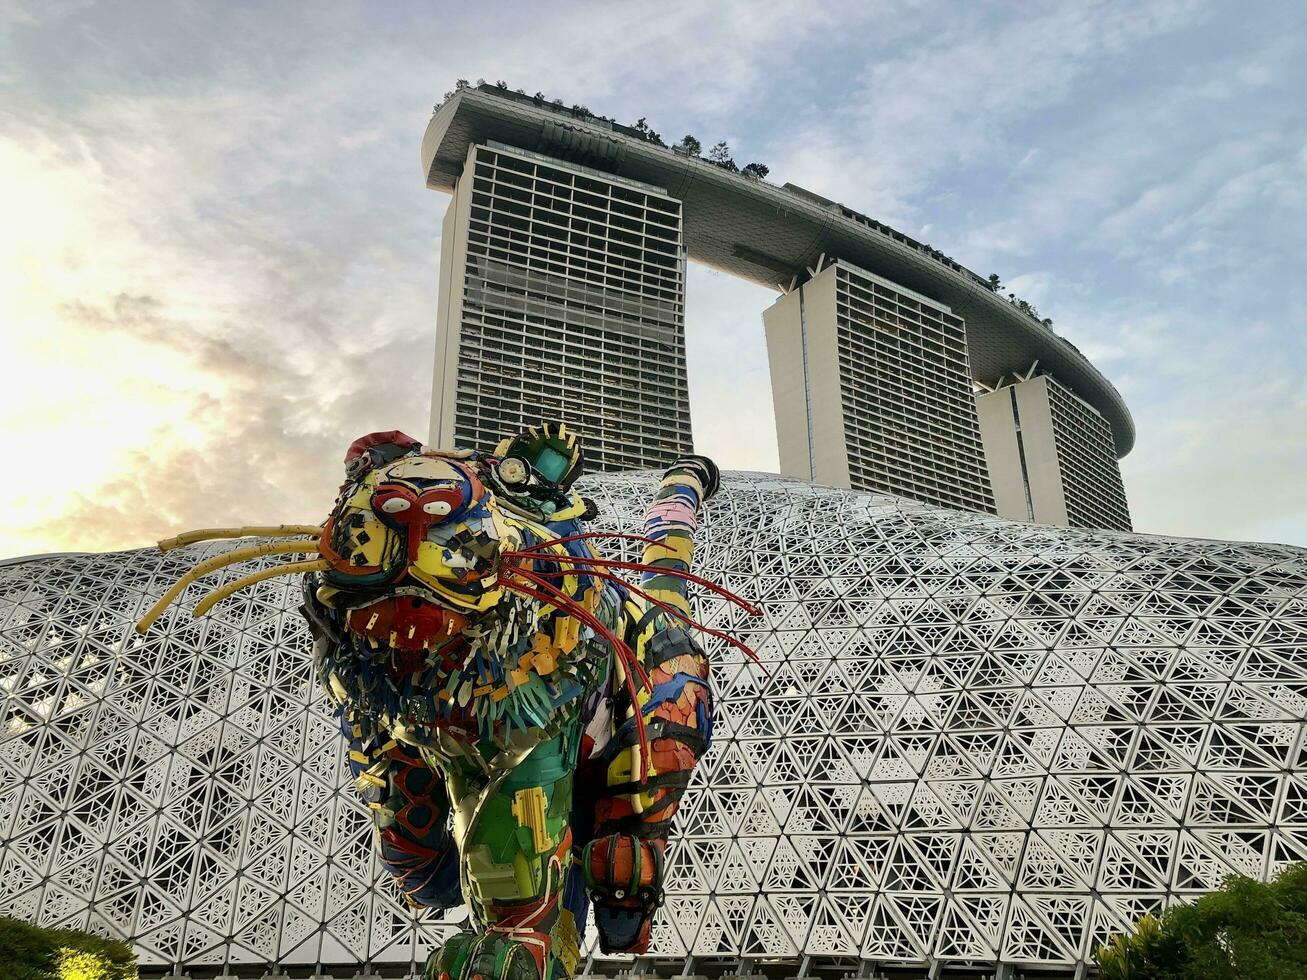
column 767, row 234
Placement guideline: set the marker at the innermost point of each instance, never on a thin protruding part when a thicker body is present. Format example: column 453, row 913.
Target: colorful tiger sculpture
column 521, row 721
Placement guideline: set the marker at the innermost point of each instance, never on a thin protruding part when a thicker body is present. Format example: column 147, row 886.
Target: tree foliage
column 691, row 145
column 1249, row 930
column 30, row 952
column 642, row 127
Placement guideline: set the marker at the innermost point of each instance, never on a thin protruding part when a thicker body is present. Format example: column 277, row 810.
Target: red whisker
column 571, row 606
column 669, row 608
column 591, row 535
column 624, row 653
column 726, row 594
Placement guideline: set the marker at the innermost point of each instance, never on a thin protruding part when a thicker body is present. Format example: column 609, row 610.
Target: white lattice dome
column 980, row 741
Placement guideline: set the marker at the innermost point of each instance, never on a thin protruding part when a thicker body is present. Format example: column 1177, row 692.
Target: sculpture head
column 418, row 541
column 413, row 549
column 423, row 546
column 432, row 557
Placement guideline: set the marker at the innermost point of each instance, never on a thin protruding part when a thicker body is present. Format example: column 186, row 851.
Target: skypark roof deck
column 771, row 235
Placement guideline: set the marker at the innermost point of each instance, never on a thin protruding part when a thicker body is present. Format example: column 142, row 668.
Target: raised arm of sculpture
column 511, row 701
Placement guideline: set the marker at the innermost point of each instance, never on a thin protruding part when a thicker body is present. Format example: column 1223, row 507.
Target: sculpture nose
column 414, row 512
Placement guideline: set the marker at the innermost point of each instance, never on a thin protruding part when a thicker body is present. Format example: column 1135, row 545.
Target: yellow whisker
column 217, row 562
column 214, row 533
column 291, row 568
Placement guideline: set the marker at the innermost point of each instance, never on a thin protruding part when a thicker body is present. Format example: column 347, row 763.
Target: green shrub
column 29, row 952
column 1249, row 930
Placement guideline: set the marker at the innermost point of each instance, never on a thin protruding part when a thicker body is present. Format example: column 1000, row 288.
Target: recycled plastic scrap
column 510, row 702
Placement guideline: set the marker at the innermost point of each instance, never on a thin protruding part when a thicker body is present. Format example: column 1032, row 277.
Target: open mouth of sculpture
column 405, row 622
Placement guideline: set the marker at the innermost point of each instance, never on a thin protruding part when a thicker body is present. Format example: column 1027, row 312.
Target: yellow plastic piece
column 524, row 874
column 360, row 525
column 427, row 570
column 529, row 807
column 567, row 630
column 567, row 944
column 290, row 568
column 215, row 563
column 675, row 546
column 680, row 479
column 625, row 769
column 672, row 598
column 214, row 533
column 575, row 509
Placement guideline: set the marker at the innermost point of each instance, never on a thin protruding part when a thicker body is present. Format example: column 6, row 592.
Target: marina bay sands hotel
column 894, row 368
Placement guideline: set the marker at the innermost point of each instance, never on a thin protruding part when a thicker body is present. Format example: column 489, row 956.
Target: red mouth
column 406, row 623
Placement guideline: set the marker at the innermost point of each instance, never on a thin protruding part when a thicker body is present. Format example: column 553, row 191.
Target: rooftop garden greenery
column 719, row 155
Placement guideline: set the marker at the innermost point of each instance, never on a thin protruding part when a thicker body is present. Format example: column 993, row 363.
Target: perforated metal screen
column 980, row 740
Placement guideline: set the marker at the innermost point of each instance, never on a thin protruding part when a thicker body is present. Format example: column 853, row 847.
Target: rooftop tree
column 720, row 154
column 642, row 127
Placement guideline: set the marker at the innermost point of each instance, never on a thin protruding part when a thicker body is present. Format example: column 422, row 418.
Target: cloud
column 195, row 356
column 219, row 262
column 730, row 385
column 1226, row 466
column 220, row 259
column 956, row 95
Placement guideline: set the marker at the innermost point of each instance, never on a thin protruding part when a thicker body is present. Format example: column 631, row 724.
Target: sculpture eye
column 438, row 508
column 395, row 505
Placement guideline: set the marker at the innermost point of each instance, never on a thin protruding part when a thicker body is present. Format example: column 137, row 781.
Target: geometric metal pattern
column 980, row 741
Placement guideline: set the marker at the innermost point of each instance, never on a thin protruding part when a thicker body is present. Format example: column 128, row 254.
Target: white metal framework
column 979, row 741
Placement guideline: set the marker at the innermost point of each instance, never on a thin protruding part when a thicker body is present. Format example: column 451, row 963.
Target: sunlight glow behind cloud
column 218, row 261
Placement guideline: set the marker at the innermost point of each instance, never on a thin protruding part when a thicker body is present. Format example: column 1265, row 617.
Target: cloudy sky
column 218, row 258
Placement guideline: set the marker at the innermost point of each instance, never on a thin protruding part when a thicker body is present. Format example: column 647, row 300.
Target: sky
column 218, row 258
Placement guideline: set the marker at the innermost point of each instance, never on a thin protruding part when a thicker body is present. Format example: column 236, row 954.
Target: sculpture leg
column 516, row 855
column 623, row 864
column 410, row 810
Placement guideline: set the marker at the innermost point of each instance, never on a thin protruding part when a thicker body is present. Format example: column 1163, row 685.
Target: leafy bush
column 30, row 952
column 1249, row 930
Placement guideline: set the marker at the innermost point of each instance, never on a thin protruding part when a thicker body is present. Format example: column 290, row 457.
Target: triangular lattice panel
column 980, row 740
